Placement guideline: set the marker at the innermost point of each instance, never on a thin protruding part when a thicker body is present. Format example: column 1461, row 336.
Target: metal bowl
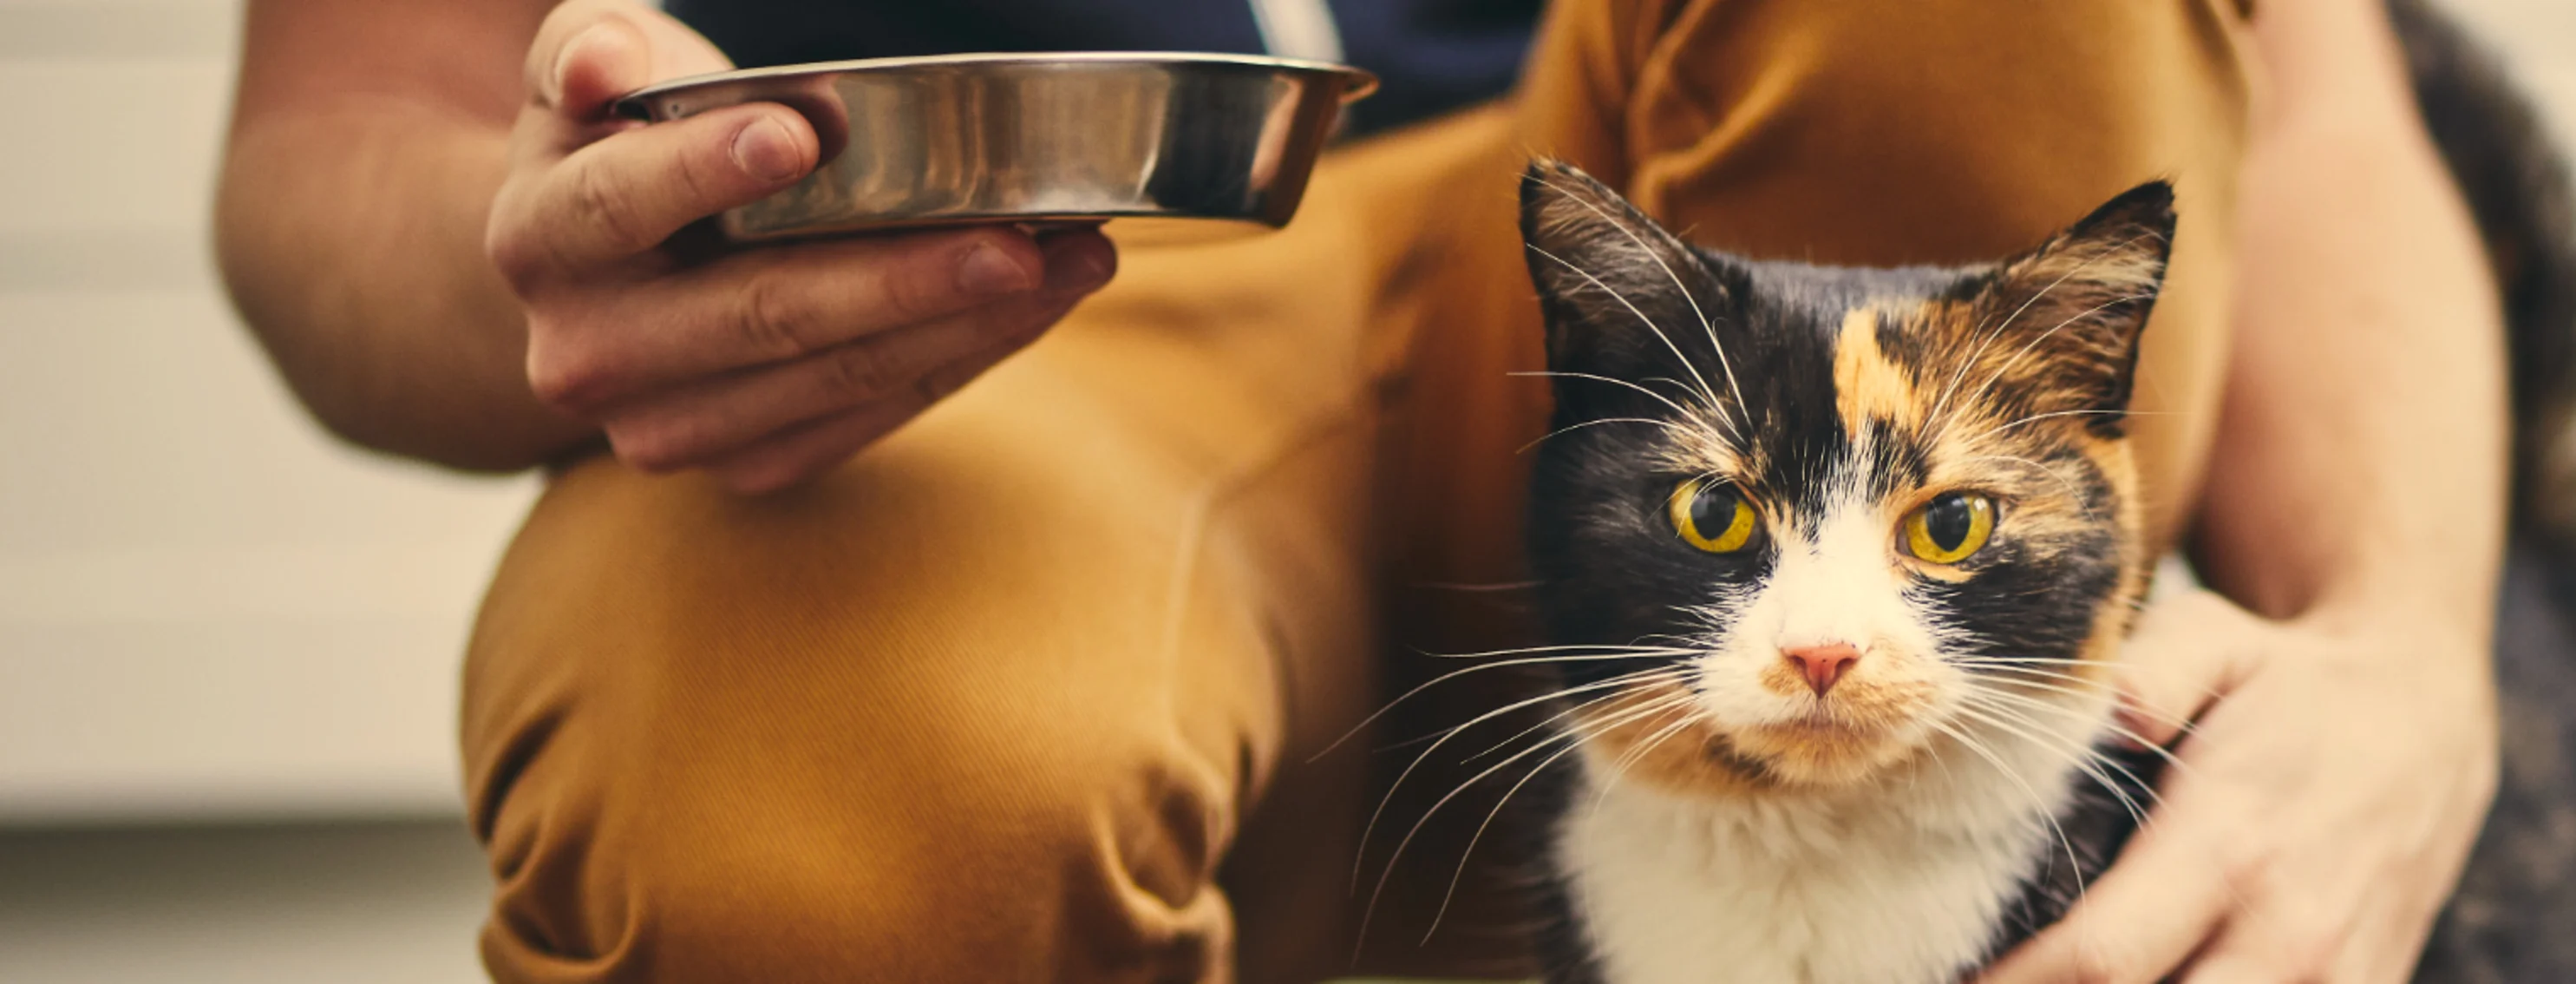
column 1032, row 138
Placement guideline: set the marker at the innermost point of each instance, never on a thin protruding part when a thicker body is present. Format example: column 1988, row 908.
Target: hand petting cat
column 2320, row 813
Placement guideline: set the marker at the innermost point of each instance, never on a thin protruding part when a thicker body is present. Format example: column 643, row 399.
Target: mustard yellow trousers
column 1035, row 689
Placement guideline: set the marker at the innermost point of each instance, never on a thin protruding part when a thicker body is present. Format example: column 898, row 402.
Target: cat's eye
column 1950, row 528
column 1713, row 516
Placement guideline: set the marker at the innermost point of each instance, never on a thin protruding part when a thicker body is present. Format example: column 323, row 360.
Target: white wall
column 206, row 608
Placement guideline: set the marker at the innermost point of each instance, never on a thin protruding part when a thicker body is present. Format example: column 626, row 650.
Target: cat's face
column 1843, row 512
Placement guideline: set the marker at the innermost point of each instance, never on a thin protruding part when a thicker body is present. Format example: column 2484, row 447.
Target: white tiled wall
column 206, row 608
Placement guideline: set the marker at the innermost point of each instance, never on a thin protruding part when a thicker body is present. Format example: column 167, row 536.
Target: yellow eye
column 1712, row 516
column 1950, row 528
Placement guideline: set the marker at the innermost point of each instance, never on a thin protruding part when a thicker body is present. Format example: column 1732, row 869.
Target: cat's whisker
column 2021, row 679
column 1571, row 738
column 1636, row 677
column 2054, row 414
column 1590, row 378
column 1942, row 404
column 1660, row 706
column 1985, row 339
column 2038, row 803
column 1589, row 647
column 1619, row 769
column 2045, row 335
column 2032, row 660
column 2015, row 717
column 2112, row 727
column 1734, row 434
column 1578, row 657
column 1705, row 392
column 1571, row 428
column 2018, row 670
column 1551, row 720
column 1368, row 831
column 1633, row 676
column 1489, row 586
column 2083, row 759
column 1724, row 364
column 2089, row 688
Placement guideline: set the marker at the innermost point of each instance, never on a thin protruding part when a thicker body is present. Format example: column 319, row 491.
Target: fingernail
column 1081, row 269
column 987, row 270
column 766, row 151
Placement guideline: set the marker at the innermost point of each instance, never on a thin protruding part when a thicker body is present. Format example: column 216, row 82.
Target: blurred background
column 228, row 647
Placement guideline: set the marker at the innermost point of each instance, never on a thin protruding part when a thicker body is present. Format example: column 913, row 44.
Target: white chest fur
column 1902, row 885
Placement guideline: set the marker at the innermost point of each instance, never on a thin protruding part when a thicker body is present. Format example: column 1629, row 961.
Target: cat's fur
column 1884, row 832
column 1726, row 821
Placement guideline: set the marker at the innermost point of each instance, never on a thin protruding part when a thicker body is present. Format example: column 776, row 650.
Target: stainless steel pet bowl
column 1032, row 138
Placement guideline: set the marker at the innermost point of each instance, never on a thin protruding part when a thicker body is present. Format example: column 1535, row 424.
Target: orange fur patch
column 1866, row 385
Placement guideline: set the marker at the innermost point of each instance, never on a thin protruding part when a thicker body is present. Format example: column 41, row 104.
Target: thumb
column 587, row 53
column 2187, row 651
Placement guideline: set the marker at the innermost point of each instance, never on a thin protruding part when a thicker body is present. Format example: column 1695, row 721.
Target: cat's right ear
column 1611, row 281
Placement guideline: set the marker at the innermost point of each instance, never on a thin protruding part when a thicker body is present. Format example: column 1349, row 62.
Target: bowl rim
column 1362, row 82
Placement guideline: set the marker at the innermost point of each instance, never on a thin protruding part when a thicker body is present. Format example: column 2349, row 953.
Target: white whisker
column 1369, row 912
column 1705, row 393
column 1723, row 363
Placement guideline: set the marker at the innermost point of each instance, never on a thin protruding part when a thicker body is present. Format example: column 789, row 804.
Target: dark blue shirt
column 1433, row 55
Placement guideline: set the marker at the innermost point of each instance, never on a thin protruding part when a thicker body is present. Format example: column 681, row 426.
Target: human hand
column 763, row 367
column 2321, row 811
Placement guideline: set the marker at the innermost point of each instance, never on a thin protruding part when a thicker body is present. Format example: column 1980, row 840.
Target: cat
column 1713, row 523
column 1883, row 523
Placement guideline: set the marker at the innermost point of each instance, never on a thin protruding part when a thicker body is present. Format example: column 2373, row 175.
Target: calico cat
column 1845, row 552
column 1847, row 565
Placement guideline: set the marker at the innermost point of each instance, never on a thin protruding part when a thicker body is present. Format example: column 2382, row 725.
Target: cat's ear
column 2067, row 316
column 1609, row 278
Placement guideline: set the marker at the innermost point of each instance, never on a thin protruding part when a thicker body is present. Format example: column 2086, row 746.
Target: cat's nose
column 1823, row 665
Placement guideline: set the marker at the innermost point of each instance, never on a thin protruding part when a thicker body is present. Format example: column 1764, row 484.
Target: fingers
column 623, row 196
column 2145, row 916
column 2257, row 951
column 777, row 305
column 586, row 189
column 2180, row 658
column 776, row 423
column 712, row 420
column 808, row 450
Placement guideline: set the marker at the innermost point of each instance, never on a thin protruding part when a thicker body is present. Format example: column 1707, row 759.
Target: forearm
column 2361, row 458
column 352, row 240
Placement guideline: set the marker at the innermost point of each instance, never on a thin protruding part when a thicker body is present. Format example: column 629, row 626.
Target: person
column 967, row 605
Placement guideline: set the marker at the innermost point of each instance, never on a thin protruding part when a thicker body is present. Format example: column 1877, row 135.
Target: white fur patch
column 1900, row 883
column 1900, row 878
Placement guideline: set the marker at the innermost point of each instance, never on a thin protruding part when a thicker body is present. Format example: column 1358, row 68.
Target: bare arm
column 454, row 251
column 2361, row 461
column 2345, row 750
column 367, row 142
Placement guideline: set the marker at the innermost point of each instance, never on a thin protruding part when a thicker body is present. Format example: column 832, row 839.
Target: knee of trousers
column 716, row 740
column 1007, row 863
column 1884, row 132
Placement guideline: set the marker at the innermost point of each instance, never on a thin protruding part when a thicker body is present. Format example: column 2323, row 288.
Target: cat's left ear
column 2066, row 317
column 1610, row 280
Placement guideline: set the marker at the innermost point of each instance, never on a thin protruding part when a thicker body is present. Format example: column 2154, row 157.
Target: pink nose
column 1823, row 665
